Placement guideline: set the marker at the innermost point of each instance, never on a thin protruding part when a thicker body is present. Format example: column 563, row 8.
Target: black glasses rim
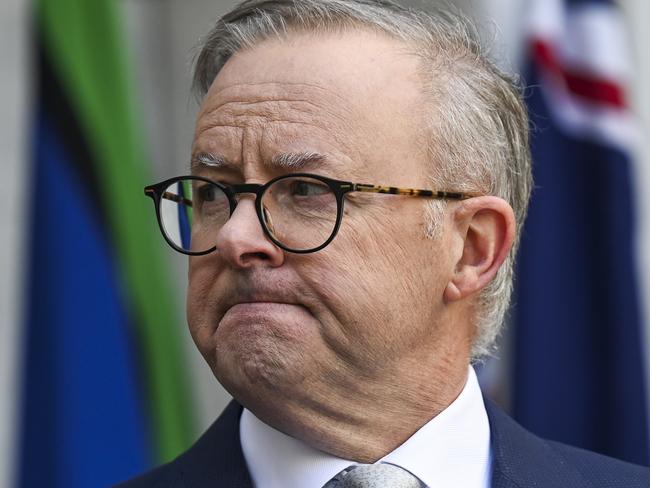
column 336, row 185
column 339, row 188
column 155, row 193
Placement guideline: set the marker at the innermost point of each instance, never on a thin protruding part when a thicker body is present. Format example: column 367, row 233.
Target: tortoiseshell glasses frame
column 159, row 192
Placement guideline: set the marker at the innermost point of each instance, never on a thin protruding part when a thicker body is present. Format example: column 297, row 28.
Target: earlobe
column 486, row 227
column 451, row 293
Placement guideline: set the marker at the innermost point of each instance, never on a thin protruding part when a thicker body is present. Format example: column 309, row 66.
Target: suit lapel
column 216, row 459
column 521, row 459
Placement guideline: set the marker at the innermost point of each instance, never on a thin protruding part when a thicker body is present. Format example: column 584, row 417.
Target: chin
column 259, row 362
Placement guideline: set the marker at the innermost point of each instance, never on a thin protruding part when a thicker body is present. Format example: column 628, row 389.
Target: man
column 343, row 316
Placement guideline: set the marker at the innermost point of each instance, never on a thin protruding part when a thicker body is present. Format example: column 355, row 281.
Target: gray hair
column 478, row 137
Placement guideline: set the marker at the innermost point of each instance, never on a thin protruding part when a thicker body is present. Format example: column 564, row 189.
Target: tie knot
column 375, row 476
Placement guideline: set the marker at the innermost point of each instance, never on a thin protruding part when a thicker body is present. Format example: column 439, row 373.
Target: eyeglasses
column 299, row 212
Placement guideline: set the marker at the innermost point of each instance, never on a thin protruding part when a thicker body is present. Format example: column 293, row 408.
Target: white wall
column 13, row 137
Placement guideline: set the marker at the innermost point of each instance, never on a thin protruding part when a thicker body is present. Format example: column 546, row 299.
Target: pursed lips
column 258, row 302
column 263, row 312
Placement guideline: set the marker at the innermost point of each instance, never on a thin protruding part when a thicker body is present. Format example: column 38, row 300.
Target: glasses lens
column 300, row 212
column 192, row 212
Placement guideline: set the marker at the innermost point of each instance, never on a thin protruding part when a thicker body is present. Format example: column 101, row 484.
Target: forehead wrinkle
column 243, row 114
column 217, row 123
column 275, row 100
column 285, row 113
column 259, row 91
column 273, row 131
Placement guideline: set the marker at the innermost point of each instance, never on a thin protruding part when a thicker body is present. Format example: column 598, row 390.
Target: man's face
column 295, row 336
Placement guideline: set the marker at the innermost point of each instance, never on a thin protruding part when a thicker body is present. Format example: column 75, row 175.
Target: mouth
column 270, row 315
column 255, row 306
column 261, row 306
column 262, row 298
column 258, row 298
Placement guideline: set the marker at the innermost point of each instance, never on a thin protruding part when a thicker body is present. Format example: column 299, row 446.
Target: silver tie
column 374, row 476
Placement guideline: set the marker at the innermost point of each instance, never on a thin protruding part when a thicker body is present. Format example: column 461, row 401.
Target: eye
column 210, row 199
column 206, row 193
column 304, row 188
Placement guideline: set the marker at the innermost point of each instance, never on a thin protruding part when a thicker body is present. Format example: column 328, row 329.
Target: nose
column 242, row 241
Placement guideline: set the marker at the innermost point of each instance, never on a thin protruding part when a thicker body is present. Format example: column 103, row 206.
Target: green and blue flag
column 105, row 390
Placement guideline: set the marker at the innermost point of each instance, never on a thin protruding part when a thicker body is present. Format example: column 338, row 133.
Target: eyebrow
column 290, row 160
column 297, row 160
column 210, row 160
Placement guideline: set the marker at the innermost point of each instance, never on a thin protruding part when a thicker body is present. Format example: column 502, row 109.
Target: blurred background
column 98, row 374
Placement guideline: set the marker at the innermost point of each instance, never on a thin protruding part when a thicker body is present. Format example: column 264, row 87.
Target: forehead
column 354, row 95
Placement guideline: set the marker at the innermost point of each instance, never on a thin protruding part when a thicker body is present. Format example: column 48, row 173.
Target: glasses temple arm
column 392, row 190
column 176, row 198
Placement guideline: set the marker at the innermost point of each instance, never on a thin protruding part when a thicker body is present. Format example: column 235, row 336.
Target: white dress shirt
column 451, row 450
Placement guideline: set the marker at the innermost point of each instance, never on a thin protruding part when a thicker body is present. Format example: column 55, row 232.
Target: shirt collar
column 452, row 449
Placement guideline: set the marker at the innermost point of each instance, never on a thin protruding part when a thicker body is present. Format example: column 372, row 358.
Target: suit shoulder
column 164, row 476
column 521, row 459
column 215, row 460
column 603, row 470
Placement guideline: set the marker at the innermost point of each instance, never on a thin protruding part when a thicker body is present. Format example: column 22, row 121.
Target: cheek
column 392, row 254
column 202, row 276
column 376, row 289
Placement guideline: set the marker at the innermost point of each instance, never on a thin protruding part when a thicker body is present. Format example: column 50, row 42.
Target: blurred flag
column 578, row 365
column 104, row 391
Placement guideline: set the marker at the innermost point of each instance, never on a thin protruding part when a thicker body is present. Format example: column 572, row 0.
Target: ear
column 484, row 230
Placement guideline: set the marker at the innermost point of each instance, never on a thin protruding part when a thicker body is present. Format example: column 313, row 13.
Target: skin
column 353, row 348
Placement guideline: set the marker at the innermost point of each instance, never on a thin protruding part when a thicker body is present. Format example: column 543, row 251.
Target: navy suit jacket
column 520, row 460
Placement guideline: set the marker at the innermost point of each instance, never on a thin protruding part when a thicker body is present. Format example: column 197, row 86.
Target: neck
column 365, row 424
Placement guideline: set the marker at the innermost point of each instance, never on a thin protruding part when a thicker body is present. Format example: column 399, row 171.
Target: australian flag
column 579, row 361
